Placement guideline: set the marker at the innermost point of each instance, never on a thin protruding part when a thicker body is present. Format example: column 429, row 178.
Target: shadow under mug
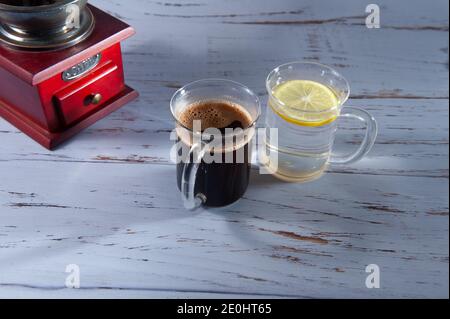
column 304, row 149
column 224, row 180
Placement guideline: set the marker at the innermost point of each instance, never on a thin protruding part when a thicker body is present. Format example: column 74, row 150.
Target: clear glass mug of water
column 305, row 102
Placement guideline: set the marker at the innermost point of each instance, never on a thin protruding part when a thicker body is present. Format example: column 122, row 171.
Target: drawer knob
column 94, row 99
column 97, row 98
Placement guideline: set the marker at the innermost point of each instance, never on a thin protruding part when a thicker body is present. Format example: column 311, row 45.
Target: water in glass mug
column 305, row 114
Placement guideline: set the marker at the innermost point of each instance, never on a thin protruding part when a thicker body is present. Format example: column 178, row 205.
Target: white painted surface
column 107, row 200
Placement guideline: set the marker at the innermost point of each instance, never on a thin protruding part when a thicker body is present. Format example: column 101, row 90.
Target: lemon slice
column 305, row 103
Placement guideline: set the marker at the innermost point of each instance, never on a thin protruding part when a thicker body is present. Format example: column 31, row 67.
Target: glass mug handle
column 192, row 200
column 369, row 138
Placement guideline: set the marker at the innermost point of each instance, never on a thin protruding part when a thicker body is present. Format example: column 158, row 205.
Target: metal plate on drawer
column 81, row 68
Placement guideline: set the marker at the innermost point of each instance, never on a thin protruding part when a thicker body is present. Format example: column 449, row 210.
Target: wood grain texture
column 108, row 202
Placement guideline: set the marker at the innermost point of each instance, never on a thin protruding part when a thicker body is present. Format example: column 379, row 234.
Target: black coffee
column 221, row 183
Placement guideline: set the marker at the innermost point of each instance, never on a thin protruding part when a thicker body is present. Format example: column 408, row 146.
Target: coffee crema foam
column 215, row 114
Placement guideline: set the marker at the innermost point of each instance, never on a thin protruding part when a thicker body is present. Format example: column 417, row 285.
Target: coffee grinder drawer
column 88, row 94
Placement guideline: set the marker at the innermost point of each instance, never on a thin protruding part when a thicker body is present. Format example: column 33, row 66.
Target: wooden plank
column 413, row 139
column 387, row 62
column 312, row 240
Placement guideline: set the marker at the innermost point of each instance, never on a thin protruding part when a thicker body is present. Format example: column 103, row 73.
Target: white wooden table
column 107, row 201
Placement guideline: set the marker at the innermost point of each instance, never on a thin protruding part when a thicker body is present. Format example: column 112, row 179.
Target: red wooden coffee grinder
column 55, row 79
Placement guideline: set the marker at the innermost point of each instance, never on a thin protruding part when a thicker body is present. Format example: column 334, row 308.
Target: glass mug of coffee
column 305, row 102
column 215, row 126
